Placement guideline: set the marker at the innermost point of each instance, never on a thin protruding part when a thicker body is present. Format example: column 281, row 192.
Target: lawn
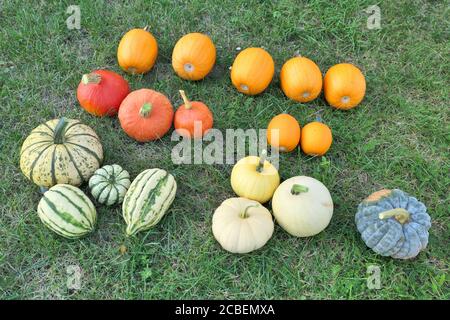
column 398, row 137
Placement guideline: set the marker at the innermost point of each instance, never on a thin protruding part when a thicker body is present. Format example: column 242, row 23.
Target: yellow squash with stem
column 255, row 178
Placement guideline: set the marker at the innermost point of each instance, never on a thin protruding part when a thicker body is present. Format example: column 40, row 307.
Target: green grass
column 397, row 138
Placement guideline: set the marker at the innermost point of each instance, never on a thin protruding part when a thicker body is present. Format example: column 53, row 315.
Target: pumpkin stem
column 58, row 136
column 146, row 109
column 244, row 214
column 187, row 103
column 91, row 78
column 146, row 28
column 400, row 214
column 262, row 159
column 298, row 188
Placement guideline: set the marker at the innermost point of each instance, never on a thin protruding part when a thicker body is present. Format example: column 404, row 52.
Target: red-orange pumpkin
column 146, row 115
column 192, row 114
column 101, row 92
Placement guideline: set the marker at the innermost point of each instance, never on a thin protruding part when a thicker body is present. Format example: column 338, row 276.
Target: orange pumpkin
column 283, row 132
column 193, row 56
column 146, row 115
column 316, row 138
column 301, row 79
column 344, row 86
column 137, row 51
column 193, row 118
column 252, row 71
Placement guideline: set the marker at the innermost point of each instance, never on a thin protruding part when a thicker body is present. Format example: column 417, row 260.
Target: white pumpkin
column 302, row 206
column 242, row 225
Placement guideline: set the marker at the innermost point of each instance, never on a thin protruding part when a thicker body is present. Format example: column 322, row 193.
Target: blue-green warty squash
column 394, row 224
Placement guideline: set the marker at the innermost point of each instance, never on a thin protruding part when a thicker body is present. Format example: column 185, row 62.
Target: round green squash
column 394, row 224
column 148, row 199
column 109, row 184
column 61, row 151
column 66, row 210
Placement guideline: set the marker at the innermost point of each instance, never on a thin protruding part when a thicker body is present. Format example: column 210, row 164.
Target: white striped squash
column 109, row 184
column 66, row 210
column 61, row 151
column 147, row 199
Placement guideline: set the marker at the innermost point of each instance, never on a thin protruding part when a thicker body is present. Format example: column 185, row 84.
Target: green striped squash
column 61, row 151
column 66, row 210
column 109, row 184
column 147, row 199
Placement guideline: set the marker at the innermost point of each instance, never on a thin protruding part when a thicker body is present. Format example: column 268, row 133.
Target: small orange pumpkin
column 191, row 114
column 316, row 138
column 137, row 51
column 193, row 56
column 301, row 79
column 146, row 115
column 344, row 86
column 283, row 132
column 252, row 71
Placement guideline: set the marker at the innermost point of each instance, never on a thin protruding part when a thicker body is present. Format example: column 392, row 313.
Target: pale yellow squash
column 241, row 225
column 302, row 206
column 255, row 178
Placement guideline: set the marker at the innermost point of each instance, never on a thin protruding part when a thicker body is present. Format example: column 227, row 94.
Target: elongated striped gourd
column 109, row 184
column 147, row 199
column 66, row 210
column 61, row 151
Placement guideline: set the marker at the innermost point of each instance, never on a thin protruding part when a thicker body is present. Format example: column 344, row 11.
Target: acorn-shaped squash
column 394, row 224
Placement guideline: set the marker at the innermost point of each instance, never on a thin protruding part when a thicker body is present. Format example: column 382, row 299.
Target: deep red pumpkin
column 101, row 92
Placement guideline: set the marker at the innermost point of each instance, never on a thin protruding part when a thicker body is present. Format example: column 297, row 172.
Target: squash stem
column 262, row 159
column 58, row 136
column 91, row 78
column 187, row 103
column 146, row 28
column 298, row 188
column 400, row 214
column 146, row 109
column 244, row 214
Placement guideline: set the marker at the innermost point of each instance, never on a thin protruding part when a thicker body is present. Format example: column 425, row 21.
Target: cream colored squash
column 241, row 225
column 302, row 206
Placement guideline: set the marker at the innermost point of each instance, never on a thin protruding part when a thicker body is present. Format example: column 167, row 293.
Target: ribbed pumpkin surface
column 66, row 210
column 61, row 151
column 109, row 184
column 147, row 199
column 402, row 234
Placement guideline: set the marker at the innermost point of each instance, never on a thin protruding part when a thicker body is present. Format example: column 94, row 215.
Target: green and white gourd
column 394, row 224
column 148, row 199
column 109, row 184
column 66, row 210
